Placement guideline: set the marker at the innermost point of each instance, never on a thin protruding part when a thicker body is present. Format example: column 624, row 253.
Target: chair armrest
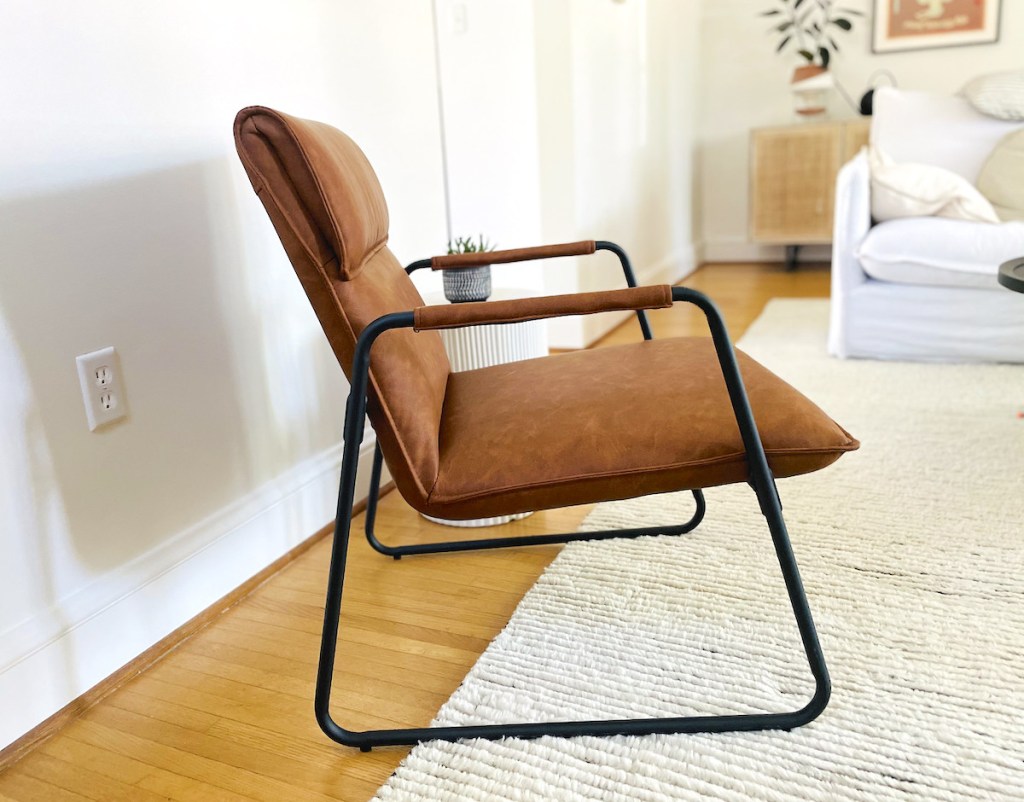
column 456, row 261
column 449, row 316
column 582, row 248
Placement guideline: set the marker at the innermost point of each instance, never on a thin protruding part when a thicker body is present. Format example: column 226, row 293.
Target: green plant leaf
column 785, row 26
column 807, row 54
column 468, row 245
column 825, row 56
column 783, row 43
column 840, row 22
column 773, row 13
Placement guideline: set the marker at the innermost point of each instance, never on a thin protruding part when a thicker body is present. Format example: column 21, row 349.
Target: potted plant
column 809, row 27
column 468, row 283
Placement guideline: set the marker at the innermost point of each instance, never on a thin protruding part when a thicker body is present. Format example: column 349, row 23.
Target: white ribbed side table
column 482, row 346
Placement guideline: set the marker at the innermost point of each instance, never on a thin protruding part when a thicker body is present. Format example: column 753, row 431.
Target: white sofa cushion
column 912, row 189
column 935, row 129
column 938, row 252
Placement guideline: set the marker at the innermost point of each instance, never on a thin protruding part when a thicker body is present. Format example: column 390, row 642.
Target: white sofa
column 923, row 289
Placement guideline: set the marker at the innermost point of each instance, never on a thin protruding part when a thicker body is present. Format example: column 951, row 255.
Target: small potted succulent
column 468, row 283
column 809, row 27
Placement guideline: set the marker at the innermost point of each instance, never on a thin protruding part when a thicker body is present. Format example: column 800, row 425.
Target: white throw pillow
column 999, row 95
column 922, row 190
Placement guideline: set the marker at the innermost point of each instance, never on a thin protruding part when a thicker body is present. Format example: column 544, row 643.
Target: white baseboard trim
column 668, row 270
column 744, row 251
column 57, row 655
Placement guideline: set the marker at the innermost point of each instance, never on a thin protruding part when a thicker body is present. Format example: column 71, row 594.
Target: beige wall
column 743, row 84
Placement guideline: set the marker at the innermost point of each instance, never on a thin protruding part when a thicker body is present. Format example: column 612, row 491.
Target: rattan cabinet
column 792, row 180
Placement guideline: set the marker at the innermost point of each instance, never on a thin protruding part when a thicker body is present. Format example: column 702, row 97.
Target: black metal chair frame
column 761, row 480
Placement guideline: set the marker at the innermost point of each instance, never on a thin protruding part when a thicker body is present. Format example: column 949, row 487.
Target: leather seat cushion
column 611, row 423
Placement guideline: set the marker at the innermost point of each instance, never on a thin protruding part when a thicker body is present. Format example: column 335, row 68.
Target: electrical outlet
column 102, row 391
column 103, row 375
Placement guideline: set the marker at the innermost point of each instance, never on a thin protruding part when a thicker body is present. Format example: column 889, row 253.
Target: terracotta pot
column 810, row 85
column 806, row 71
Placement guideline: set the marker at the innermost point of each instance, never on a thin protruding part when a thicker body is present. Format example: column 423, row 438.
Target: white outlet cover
column 99, row 375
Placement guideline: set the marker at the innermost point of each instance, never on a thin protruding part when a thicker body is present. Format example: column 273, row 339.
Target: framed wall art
column 920, row 24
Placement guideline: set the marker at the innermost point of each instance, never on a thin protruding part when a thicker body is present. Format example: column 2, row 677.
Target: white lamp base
column 477, row 522
column 483, row 346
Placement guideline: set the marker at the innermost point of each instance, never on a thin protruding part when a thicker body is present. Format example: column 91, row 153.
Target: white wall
column 634, row 87
column 567, row 120
column 617, row 97
column 487, row 67
column 744, row 85
column 126, row 220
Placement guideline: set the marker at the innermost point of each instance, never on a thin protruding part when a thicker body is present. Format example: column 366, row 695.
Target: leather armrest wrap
column 457, row 260
column 449, row 316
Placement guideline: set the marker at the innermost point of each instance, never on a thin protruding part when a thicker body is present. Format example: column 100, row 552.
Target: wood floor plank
column 387, row 674
column 471, row 622
column 185, row 763
column 86, row 781
column 290, row 615
column 357, row 656
column 227, row 716
column 166, row 784
column 292, row 735
column 228, row 699
column 111, row 764
column 301, row 690
column 438, row 583
column 262, row 773
column 23, row 787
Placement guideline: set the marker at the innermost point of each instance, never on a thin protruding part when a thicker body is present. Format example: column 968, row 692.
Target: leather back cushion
column 328, row 209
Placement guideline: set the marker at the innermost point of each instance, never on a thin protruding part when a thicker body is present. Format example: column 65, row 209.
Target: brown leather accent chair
column 653, row 417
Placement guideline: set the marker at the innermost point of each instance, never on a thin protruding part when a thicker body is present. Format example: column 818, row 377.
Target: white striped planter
column 483, row 346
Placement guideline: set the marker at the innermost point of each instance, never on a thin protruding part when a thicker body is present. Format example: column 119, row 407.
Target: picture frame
column 901, row 25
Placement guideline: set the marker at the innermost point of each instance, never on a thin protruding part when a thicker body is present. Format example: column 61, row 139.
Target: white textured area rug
column 912, row 552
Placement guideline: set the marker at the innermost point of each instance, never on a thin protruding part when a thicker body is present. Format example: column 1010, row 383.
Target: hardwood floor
column 228, row 714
